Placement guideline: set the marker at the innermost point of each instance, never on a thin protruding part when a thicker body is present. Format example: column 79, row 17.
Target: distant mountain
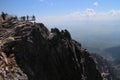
column 114, row 52
column 111, row 53
column 108, row 71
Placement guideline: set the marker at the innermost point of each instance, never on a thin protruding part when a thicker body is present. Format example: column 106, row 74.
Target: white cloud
column 114, row 12
column 90, row 12
column 75, row 14
column 78, row 16
column 96, row 4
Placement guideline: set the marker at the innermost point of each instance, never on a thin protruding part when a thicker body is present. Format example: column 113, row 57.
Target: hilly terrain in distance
column 114, row 52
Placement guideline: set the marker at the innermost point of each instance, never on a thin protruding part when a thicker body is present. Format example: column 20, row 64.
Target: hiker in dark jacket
column 3, row 15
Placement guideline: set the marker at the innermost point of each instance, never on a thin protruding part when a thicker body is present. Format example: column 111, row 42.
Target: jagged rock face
column 105, row 68
column 50, row 55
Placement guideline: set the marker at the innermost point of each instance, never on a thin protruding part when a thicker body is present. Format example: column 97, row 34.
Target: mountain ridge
column 42, row 54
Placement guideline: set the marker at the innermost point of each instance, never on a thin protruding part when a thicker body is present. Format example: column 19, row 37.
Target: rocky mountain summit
column 29, row 51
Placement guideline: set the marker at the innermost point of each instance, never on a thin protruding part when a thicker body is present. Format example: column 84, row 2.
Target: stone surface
column 45, row 55
column 105, row 67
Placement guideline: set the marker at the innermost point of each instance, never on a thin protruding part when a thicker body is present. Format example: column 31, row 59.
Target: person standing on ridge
column 3, row 15
column 24, row 18
column 27, row 18
column 33, row 18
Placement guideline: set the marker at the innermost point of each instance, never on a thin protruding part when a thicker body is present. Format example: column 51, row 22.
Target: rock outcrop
column 104, row 67
column 45, row 55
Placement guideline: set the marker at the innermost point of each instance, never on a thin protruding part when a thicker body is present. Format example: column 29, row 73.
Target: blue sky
column 56, row 7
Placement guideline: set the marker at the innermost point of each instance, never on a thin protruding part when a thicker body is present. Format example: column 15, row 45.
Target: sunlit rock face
column 46, row 55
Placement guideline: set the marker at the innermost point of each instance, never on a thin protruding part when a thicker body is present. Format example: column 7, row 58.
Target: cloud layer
column 88, row 14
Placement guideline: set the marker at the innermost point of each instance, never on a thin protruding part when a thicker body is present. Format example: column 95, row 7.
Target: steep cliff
column 45, row 55
column 105, row 67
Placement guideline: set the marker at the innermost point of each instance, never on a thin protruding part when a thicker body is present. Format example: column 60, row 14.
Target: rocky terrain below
column 29, row 51
column 105, row 67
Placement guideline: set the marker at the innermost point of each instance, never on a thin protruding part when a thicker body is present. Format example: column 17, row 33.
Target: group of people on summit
column 22, row 18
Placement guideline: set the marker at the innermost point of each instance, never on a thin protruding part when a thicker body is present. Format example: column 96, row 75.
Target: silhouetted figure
column 27, row 18
column 24, row 18
column 21, row 18
column 33, row 18
column 3, row 15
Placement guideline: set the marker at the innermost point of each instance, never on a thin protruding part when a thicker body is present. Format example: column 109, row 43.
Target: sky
column 61, row 8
